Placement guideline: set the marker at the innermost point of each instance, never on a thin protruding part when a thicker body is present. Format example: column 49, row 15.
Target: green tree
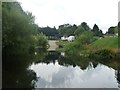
column 111, row 30
column 18, row 32
column 100, row 33
column 85, row 38
column 67, row 29
column 71, row 30
column 63, row 28
column 85, row 26
column 116, row 29
column 79, row 30
column 97, row 31
column 49, row 31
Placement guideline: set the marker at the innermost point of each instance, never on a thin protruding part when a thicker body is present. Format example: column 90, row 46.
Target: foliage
column 85, row 26
column 18, row 30
column 19, row 78
column 79, row 31
column 62, row 28
column 97, row 31
column 67, row 29
column 71, row 30
column 85, row 38
column 73, row 48
column 20, row 37
column 103, row 54
column 111, row 30
column 41, row 41
column 49, row 31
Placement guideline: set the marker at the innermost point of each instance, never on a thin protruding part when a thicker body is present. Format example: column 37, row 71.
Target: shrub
column 103, row 54
column 73, row 48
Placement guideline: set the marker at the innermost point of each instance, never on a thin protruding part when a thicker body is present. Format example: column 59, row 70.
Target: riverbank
column 110, row 43
column 102, row 48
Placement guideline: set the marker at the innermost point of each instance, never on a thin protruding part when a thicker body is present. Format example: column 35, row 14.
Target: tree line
column 67, row 30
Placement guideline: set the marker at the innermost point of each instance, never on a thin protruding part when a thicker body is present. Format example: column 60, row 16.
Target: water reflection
column 63, row 54
column 15, row 72
column 51, row 56
column 57, row 76
column 58, row 71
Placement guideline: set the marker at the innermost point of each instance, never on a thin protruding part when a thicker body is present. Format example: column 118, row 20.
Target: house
column 111, row 35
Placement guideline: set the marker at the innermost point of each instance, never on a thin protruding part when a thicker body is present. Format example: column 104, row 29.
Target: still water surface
column 57, row 70
column 55, row 75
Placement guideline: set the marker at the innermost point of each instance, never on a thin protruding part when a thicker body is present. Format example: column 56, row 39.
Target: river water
column 52, row 73
column 57, row 70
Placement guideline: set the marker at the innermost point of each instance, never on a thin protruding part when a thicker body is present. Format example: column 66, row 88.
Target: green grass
column 62, row 43
column 110, row 43
column 104, row 43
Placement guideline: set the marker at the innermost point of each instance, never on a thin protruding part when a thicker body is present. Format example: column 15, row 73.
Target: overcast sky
column 57, row 12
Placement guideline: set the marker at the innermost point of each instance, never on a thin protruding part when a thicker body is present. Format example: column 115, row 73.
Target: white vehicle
column 71, row 38
column 64, row 38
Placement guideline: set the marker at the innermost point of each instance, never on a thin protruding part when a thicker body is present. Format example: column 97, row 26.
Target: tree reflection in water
column 15, row 72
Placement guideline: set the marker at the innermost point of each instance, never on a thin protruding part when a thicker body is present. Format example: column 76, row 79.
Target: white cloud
column 56, row 12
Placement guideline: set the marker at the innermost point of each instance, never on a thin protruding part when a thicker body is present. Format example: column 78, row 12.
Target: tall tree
column 97, row 31
column 79, row 30
column 86, row 37
column 85, row 26
column 48, row 31
column 67, row 29
column 19, row 32
column 71, row 30
column 100, row 33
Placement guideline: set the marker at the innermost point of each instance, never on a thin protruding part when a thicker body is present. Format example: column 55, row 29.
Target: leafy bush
column 20, row 35
column 73, row 48
column 85, row 38
column 103, row 54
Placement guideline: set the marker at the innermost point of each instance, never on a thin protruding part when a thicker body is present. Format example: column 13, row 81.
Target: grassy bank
column 110, row 43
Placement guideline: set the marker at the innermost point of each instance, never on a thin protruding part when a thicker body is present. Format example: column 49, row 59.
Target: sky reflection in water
column 57, row 76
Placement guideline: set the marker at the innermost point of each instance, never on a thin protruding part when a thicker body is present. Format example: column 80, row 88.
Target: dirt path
column 53, row 45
